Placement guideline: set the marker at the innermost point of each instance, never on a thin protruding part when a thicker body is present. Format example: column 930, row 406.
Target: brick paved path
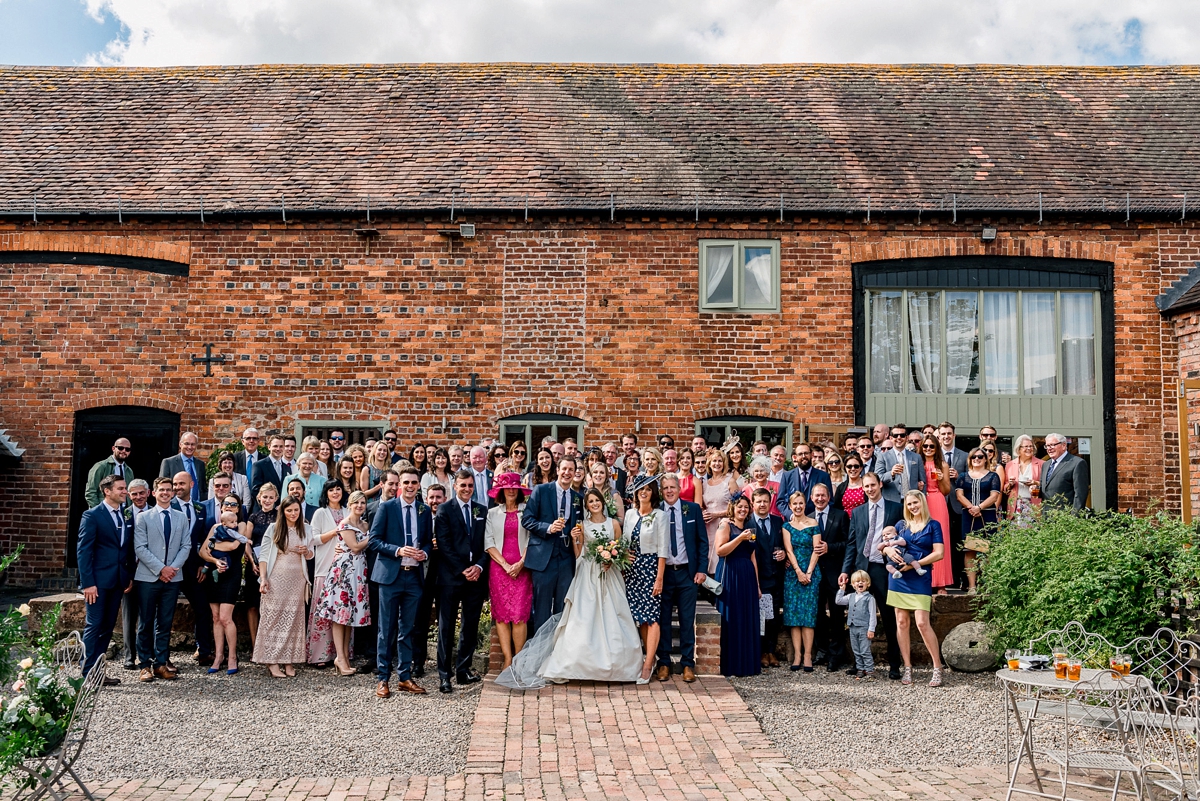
column 670, row 741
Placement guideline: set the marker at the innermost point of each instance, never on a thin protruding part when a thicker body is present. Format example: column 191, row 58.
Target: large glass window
column 994, row 342
column 716, row 430
column 739, row 275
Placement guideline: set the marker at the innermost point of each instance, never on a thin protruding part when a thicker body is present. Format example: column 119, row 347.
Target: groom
column 551, row 513
column 687, row 560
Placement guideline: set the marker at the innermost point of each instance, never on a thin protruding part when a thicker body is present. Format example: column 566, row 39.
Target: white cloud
column 175, row 32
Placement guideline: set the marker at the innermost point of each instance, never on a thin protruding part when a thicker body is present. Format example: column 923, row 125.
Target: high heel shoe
column 794, row 668
column 808, row 669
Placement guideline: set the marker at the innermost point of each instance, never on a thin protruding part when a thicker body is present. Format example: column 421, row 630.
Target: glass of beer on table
column 1060, row 665
column 1014, row 658
column 1074, row 668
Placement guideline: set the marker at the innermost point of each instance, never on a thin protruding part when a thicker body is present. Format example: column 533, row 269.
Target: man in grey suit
column 900, row 469
column 162, row 541
column 956, row 461
column 1066, row 480
column 186, row 461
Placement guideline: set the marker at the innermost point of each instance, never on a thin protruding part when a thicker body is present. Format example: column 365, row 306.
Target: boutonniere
column 685, row 511
column 477, row 514
column 421, row 507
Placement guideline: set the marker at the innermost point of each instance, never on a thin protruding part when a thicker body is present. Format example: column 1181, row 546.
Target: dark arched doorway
column 153, row 433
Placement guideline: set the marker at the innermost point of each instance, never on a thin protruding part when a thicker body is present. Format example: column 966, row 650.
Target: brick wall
column 572, row 315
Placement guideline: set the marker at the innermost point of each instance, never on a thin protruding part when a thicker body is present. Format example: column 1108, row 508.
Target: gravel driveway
column 824, row 720
column 251, row 725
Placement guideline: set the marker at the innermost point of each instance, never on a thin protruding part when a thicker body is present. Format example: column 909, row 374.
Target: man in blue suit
column 769, row 554
column 550, row 516
column 687, row 561
column 401, row 539
column 104, row 552
column 803, row 477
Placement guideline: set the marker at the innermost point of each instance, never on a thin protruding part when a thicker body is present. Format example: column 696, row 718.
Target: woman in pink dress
column 937, row 487
column 718, row 489
column 509, row 583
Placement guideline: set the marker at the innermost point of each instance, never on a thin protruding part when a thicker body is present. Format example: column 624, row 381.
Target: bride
column 594, row 638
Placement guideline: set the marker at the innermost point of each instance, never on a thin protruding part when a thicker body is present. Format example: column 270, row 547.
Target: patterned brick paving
column 675, row 742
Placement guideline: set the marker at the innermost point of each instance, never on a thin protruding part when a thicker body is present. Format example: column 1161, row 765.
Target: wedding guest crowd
column 355, row 551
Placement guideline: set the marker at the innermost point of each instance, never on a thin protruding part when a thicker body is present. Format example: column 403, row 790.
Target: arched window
column 749, row 430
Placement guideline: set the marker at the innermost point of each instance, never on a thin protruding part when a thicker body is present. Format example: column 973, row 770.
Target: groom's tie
column 674, row 539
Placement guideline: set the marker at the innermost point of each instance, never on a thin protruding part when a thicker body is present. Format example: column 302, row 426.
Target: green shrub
column 1105, row 570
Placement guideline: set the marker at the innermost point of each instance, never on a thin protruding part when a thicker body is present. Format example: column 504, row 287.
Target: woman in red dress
column 849, row 494
column 937, row 487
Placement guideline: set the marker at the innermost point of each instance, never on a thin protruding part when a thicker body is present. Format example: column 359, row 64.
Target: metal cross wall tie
column 209, row 360
column 472, row 388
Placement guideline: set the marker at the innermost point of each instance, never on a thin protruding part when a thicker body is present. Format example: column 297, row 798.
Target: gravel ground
column 251, row 725
column 824, row 720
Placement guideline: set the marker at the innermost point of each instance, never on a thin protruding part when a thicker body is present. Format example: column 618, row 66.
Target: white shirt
column 404, row 521
column 558, row 500
column 118, row 520
column 481, row 487
column 676, row 534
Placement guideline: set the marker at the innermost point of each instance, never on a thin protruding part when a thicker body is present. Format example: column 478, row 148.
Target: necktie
column 562, row 503
column 821, row 522
column 466, row 510
column 119, row 522
column 1049, row 472
column 762, row 529
column 166, row 533
column 191, row 470
column 804, row 483
column 871, row 531
column 249, row 468
column 674, row 539
column 408, row 526
column 118, row 471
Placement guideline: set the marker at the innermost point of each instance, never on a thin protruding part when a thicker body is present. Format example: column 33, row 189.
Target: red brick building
column 771, row 250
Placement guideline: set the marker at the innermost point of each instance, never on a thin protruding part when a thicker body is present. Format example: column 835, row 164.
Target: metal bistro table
column 1086, row 724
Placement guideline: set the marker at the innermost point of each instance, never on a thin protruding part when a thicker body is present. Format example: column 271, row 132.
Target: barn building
column 776, row 251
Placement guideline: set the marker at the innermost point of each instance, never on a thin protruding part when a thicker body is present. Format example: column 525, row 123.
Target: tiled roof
column 1183, row 295
column 582, row 136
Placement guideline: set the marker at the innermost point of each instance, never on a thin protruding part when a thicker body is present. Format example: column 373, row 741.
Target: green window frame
column 530, row 427
column 739, row 275
column 748, row 429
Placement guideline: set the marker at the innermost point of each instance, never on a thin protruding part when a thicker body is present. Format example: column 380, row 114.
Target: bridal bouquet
column 609, row 553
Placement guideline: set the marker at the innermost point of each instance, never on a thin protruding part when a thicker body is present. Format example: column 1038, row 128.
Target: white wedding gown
column 594, row 638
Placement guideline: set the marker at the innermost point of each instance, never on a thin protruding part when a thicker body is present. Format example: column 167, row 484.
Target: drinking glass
column 1014, row 658
column 1074, row 666
column 1060, row 666
column 1126, row 663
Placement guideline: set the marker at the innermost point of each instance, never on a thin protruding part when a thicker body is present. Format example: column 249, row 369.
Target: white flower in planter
column 26, row 663
column 24, row 610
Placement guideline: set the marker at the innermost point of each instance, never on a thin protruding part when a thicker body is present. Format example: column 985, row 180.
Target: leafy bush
column 214, row 458
column 1105, row 570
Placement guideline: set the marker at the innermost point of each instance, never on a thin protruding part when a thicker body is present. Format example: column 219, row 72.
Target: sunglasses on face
column 121, row 448
column 336, row 439
column 230, row 503
column 928, row 448
column 854, row 467
column 833, row 463
column 978, row 458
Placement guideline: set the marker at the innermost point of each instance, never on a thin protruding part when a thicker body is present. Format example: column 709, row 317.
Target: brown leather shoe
column 410, row 686
column 146, row 675
column 383, row 690
column 689, row 675
column 772, row 660
column 163, row 673
column 663, row 673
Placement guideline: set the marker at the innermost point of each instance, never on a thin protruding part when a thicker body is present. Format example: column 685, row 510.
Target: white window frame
column 739, row 248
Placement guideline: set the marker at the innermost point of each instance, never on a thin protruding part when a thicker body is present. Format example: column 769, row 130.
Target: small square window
column 739, row 275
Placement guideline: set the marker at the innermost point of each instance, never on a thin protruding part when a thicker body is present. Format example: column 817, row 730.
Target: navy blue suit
column 791, row 481
column 195, row 592
column 770, row 573
column 106, row 561
column 400, row 587
column 679, row 585
column 550, row 557
column 459, row 548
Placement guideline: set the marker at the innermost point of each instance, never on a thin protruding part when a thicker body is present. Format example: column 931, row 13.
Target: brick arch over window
column 784, row 414
column 972, row 245
column 339, row 405
column 127, row 397
column 515, row 407
column 147, row 255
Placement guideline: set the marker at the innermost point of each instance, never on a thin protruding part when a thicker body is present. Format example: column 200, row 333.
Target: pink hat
column 506, row 481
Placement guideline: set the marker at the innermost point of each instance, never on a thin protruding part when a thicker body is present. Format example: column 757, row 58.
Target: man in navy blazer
column 186, row 461
column 192, row 588
column 687, row 563
column 462, row 578
column 104, row 552
column 550, row 516
column 769, row 554
column 862, row 553
column 803, row 477
column 272, row 469
column 401, row 539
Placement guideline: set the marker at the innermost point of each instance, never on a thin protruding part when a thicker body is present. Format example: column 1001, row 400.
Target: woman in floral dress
column 345, row 601
column 802, row 581
column 646, row 529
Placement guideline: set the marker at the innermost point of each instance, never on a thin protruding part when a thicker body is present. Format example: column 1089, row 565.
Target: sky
column 190, row 32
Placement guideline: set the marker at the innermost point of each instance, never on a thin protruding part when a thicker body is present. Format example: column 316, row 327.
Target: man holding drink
column 552, row 517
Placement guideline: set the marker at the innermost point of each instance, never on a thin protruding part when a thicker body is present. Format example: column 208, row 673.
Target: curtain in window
column 1000, row 342
column 1078, row 344
column 962, row 343
column 1037, row 332
column 757, row 288
column 887, row 337
column 925, row 340
column 718, row 281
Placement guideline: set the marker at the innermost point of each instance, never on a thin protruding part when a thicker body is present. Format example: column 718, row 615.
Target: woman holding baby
column 910, row 592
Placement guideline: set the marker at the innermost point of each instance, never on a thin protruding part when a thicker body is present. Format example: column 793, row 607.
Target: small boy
column 892, row 539
column 860, row 617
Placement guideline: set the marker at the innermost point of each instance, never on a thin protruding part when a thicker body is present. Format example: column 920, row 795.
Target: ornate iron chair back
column 1093, row 649
column 1165, row 660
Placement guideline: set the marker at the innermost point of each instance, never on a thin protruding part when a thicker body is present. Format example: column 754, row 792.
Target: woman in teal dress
column 800, row 584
